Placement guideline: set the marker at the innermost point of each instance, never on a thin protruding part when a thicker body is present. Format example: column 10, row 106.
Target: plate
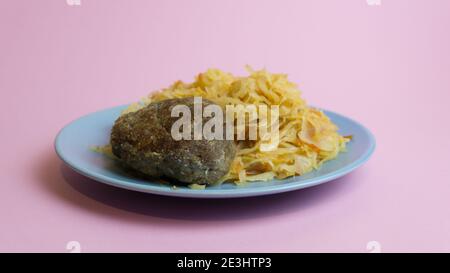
column 73, row 144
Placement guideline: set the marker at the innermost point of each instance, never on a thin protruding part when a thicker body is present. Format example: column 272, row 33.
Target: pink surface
column 386, row 66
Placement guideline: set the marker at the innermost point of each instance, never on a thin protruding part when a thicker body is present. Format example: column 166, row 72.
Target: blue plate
column 73, row 142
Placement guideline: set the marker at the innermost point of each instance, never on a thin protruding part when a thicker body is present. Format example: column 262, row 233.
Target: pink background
column 386, row 66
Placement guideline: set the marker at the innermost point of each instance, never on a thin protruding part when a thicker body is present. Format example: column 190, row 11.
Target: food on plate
column 307, row 137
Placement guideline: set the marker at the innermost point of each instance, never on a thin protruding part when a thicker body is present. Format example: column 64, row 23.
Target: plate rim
column 215, row 193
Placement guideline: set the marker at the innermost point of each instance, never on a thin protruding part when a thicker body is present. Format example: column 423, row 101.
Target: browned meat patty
column 142, row 140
